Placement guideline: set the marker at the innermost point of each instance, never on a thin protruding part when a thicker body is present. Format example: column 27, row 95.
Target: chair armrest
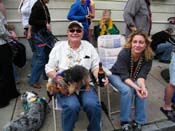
column 107, row 71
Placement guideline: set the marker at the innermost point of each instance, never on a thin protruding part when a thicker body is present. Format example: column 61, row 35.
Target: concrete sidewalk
column 156, row 119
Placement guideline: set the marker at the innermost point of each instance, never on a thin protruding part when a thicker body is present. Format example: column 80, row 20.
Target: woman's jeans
column 165, row 49
column 71, row 107
column 127, row 96
column 38, row 63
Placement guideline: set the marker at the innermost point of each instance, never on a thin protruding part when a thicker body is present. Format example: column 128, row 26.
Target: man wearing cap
column 67, row 54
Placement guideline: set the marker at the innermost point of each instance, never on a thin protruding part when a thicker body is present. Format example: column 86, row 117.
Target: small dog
column 68, row 81
column 33, row 117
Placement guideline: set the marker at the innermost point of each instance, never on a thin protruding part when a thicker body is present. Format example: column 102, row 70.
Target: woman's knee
column 126, row 90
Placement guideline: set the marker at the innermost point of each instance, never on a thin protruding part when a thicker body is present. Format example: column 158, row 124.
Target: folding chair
column 109, row 47
column 55, row 107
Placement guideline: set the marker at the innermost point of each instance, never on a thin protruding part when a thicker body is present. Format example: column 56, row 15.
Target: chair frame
column 101, row 46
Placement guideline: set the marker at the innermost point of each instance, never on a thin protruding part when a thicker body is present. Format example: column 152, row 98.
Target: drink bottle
column 101, row 75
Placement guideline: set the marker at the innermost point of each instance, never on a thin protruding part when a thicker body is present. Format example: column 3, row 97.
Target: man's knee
column 92, row 106
column 73, row 107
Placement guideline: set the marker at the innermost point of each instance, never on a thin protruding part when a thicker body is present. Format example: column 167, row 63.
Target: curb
column 160, row 126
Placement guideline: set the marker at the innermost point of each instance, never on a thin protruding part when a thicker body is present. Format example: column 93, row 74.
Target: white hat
column 75, row 23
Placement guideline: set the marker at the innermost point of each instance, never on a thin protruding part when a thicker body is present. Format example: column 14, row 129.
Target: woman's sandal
column 169, row 114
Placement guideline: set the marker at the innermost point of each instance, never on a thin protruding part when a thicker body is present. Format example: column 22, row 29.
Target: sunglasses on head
column 73, row 30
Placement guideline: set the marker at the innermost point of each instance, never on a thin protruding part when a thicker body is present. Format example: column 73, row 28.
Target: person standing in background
column 137, row 16
column 168, row 108
column 80, row 12
column 3, row 9
column 39, row 20
column 25, row 8
column 91, row 5
column 8, row 89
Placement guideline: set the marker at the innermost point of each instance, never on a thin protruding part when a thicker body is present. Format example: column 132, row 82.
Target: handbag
column 19, row 53
column 46, row 37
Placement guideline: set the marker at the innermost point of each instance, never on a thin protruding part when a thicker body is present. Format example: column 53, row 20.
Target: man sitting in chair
column 65, row 55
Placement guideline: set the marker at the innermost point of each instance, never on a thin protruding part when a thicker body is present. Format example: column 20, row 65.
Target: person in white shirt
column 64, row 55
column 25, row 7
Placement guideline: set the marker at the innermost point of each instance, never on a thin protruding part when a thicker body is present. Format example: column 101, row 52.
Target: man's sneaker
column 137, row 126
column 126, row 127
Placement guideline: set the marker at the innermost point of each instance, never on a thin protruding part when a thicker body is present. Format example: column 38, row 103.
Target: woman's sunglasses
column 77, row 30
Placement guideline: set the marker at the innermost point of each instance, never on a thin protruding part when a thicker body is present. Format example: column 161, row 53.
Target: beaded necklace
column 134, row 73
column 74, row 57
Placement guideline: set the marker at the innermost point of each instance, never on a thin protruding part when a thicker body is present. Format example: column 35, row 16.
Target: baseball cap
column 75, row 23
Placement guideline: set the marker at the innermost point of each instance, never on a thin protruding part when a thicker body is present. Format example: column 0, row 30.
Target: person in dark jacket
column 39, row 20
column 162, row 45
column 80, row 12
column 129, row 74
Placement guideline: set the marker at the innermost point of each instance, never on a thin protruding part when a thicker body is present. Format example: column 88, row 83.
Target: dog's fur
column 33, row 118
column 71, row 80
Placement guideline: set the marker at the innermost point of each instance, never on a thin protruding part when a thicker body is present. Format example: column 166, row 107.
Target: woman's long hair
column 148, row 52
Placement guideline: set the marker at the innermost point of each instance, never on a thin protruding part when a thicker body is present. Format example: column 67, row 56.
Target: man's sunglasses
column 77, row 30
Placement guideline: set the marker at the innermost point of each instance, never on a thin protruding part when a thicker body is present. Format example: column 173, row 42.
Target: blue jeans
column 127, row 96
column 32, row 46
column 165, row 49
column 71, row 107
column 38, row 63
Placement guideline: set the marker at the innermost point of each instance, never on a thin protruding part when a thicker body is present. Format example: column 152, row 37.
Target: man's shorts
column 172, row 69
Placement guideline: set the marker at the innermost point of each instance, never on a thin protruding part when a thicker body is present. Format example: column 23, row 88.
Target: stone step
column 161, row 10
column 159, row 13
column 59, row 27
column 98, row 3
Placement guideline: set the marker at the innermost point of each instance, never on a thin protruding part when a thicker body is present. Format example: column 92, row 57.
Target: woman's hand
column 141, row 84
column 142, row 93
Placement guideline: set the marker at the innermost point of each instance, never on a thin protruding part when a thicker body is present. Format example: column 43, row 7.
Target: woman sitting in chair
column 129, row 74
column 105, row 26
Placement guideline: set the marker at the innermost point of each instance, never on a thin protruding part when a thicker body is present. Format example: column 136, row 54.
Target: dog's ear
column 67, row 75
